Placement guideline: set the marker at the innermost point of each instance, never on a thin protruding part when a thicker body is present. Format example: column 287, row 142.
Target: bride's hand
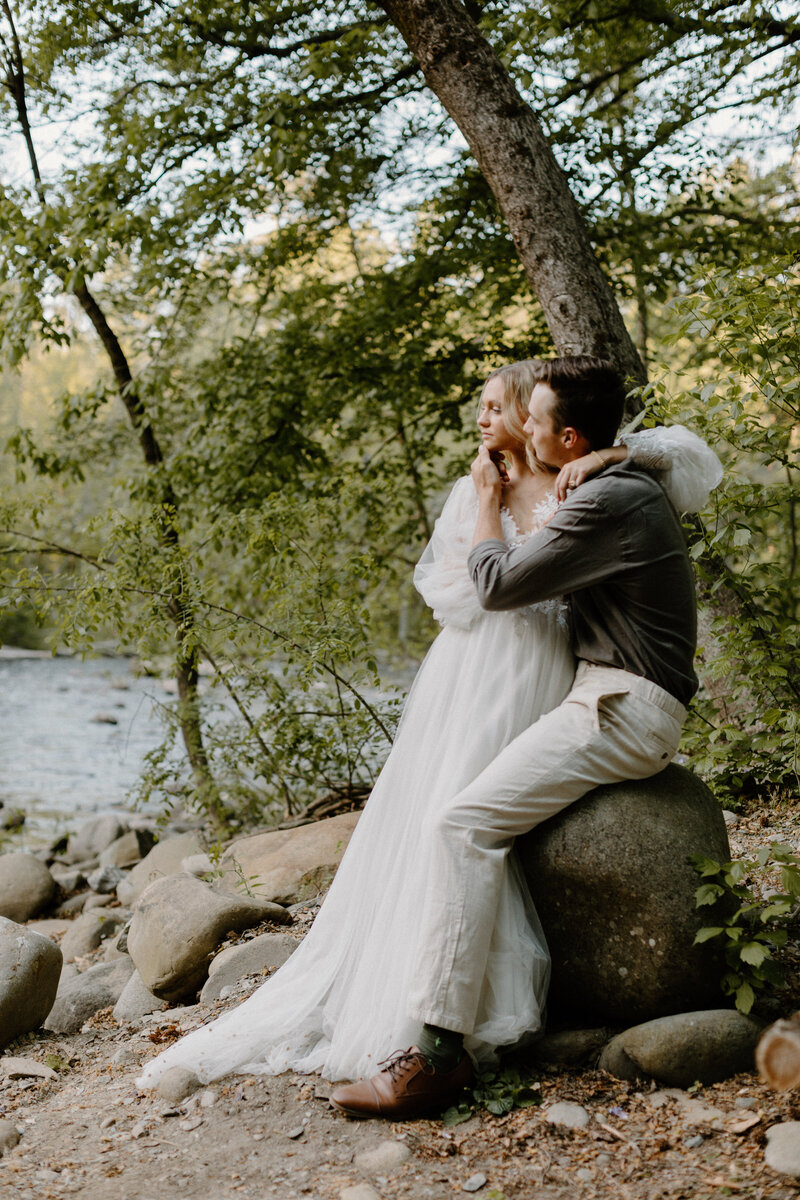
column 486, row 474
column 574, row 473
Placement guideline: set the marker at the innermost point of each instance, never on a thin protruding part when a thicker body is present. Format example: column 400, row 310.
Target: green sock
column 443, row 1048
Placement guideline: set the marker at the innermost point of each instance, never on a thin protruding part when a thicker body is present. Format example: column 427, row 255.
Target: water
column 56, row 761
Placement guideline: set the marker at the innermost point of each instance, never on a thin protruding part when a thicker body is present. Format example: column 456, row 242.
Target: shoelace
column 395, row 1062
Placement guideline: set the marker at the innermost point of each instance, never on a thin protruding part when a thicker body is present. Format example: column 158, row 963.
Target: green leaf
column 707, row 932
column 744, row 998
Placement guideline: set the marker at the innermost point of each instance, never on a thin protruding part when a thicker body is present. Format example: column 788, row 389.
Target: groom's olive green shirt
column 615, row 547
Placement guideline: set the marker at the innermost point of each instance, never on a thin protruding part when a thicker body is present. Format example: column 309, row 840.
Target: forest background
column 256, row 260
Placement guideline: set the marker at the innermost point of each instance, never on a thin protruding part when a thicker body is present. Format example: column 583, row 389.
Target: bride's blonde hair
column 519, row 380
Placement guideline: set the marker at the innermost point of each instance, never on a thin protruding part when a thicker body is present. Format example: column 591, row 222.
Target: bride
column 339, row 1005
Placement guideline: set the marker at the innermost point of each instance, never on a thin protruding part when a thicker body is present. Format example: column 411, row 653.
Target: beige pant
column 612, row 726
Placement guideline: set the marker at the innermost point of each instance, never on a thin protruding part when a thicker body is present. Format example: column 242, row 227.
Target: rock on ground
column 136, row 1001
column 164, row 859
column 384, row 1159
column 176, row 1084
column 9, row 1136
column 26, row 886
column 685, row 1048
column 93, row 836
column 81, row 996
column 288, row 865
column 177, row 924
column 569, row 1047
column 266, row 952
column 616, row 896
column 129, row 849
column 88, row 930
column 30, row 967
column 783, row 1148
column 572, row 1116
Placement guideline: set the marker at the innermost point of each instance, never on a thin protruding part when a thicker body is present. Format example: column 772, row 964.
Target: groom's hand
column 485, row 475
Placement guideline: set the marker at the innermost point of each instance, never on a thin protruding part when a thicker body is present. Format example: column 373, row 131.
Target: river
column 73, row 735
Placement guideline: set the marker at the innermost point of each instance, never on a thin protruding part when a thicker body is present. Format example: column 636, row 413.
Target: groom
column 615, row 548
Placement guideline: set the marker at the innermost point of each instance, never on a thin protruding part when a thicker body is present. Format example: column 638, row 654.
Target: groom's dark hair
column 590, row 396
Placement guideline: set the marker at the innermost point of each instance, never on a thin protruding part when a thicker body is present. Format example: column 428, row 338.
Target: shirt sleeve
column 579, row 547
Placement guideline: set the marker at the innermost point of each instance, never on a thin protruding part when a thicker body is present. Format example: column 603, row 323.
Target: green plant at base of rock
column 752, row 929
column 498, row 1092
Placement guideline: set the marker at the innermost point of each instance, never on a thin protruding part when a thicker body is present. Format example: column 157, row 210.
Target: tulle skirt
column 338, row 1006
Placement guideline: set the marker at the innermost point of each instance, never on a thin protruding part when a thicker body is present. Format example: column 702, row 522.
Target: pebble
column 9, row 1136
column 745, row 1102
column 730, row 818
column 584, row 1174
column 361, row 1191
column 474, row 1183
column 783, row 1148
column 387, row 1156
column 297, row 1132
column 572, row 1116
column 693, row 1142
column 21, row 1068
column 208, row 1098
column 176, row 1084
column 125, row 1057
column 190, row 1123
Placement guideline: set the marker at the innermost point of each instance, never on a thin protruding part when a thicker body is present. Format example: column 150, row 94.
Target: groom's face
column 548, row 443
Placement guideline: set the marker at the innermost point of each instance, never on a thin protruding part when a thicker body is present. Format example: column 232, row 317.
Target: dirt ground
column 90, row 1130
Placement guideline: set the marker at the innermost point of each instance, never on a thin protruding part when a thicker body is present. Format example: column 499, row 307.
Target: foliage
column 738, row 331
column 748, row 929
column 496, row 1092
column 310, row 281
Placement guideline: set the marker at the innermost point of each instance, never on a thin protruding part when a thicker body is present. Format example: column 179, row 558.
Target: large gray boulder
column 164, row 859
column 615, row 892
column 26, row 886
column 177, row 924
column 93, row 836
column 81, row 996
column 263, row 953
column 30, row 968
column 129, row 849
column 90, row 929
column 685, row 1048
column 136, row 1001
column 288, row 865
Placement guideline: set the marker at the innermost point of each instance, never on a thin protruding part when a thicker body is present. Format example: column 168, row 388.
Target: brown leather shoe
column 407, row 1087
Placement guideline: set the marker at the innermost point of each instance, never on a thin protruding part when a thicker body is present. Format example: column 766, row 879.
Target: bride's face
column 490, row 418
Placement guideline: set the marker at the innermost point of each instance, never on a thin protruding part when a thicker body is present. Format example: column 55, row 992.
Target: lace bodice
column 441, row 575
column 684, row 465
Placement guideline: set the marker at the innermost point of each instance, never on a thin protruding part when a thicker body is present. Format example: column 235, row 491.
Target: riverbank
column 87, row 1128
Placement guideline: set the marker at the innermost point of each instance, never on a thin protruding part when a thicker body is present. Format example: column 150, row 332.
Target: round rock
column 9, row 1136
column 164, row 859
column 136, row 1001
column 91, row 928
column 177, row 924
column 30, row 968
column 386, row 1157
column 94, row 836
column 26, row 886
column 81, row 996
column 783, row 1148
column 572, row 1116
column 266, row 952
column 685, row 1048
column 176, row 1084
column 616, row 896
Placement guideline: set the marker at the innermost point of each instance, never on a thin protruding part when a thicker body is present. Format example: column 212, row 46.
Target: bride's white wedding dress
column 338, row 1006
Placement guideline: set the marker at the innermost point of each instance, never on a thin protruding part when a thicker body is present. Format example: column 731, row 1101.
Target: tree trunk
column 529, row 186
column 778, row 1054
column 186, row 651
